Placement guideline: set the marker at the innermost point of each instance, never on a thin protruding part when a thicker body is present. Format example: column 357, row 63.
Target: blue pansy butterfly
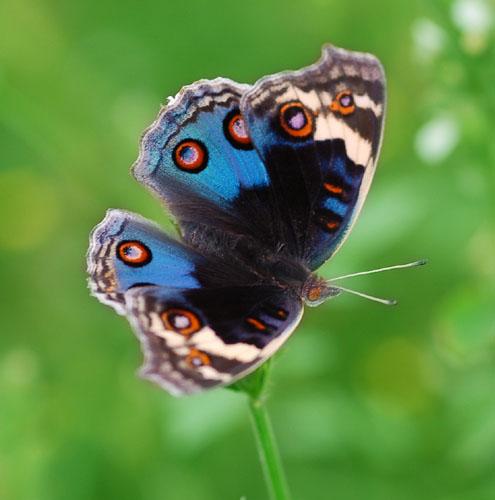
column 265, row 182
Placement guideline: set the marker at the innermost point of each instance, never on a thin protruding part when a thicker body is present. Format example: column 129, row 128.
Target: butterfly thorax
column 276, row 268
column 248, row 261
column 255, row 264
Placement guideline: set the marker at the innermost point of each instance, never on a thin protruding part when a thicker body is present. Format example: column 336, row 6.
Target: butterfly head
column 317, row 290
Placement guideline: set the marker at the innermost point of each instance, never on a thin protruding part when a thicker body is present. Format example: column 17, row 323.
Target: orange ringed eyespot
column 197, row 358
column 181, row 321
column 235, row 130
column 190, row 155
column 343, row 103
column 133, row 253
column 296, row 120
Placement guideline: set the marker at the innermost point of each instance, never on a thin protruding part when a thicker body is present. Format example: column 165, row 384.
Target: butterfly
column 265, row 182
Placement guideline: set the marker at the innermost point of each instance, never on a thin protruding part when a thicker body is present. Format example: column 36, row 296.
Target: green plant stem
column 268, row 450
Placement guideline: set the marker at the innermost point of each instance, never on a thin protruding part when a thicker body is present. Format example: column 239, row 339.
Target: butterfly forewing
column 198, row 158
column 318, row 132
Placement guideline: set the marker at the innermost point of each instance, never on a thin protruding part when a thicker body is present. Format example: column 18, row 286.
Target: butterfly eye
column 296, row 120
column 235, row 130
column 134, row 253
column 196, row 358
column 343, row 103
column 190, row 156
column 181, row 321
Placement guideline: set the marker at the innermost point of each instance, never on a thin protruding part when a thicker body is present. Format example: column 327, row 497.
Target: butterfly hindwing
column 201, row 338
column 318, row 131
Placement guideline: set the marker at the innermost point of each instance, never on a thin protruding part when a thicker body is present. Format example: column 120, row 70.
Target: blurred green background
column 368, row 402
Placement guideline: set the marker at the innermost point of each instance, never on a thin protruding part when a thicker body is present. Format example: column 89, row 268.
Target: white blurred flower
column 428, row 38
column 472, row 16
column 436, row 139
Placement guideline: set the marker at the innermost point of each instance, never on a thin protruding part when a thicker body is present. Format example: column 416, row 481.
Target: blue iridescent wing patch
column 318, row 131
column 127, row 250
column 196, row 144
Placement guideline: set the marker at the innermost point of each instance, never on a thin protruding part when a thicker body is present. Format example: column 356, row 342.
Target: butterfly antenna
column 387, row 302
column 416, row 263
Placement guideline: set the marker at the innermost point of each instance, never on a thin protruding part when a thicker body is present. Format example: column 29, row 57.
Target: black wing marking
column 194, row 340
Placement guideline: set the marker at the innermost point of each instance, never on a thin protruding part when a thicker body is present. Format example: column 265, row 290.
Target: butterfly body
column 265, row 183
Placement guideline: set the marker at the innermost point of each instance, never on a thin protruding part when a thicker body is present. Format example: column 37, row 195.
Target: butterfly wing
column 127, row 250
column 316, row 135
column 318, row 131
column 198, row 158
column 202, row 322
column 197, row 339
